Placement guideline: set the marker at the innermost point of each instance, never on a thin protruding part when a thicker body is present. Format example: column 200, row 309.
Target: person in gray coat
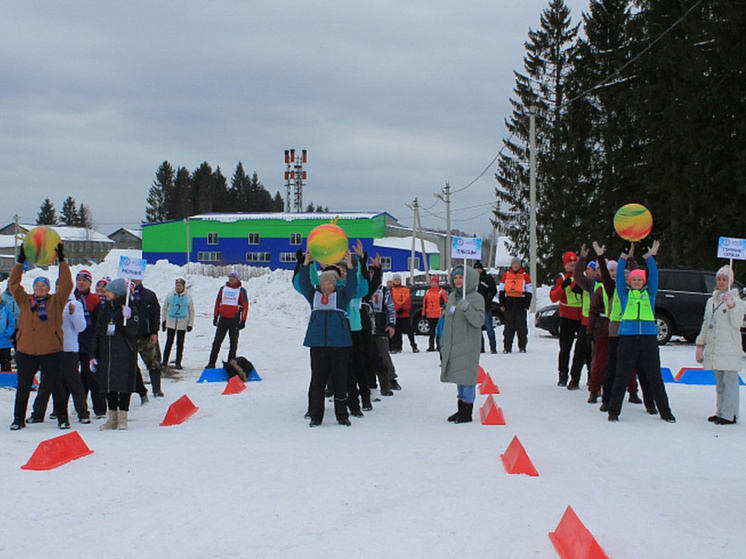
column 719, row 345
column 461, row 339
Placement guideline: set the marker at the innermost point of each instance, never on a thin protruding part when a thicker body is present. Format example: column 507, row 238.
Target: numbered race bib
column 178, row 306
column 325, row 302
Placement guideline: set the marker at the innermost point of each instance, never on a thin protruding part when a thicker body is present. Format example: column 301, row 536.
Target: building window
column 287, row 257
column 413, row 263
column 258, row 256
column 209, row 256
column 296, row 238
column 212, row 238
column 253, row 238
column 385, row 262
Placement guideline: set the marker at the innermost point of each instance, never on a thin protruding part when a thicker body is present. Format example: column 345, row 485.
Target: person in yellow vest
column 638, row 334
column 569, row 297
column 585, row 278
column 515, row 292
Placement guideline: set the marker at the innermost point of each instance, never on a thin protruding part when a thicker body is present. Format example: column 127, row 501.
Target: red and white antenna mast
column 295, row 180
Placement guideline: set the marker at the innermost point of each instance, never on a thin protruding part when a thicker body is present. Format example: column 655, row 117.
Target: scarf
column 40, row 303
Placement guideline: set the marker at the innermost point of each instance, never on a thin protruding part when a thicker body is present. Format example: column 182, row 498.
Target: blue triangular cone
column 213, row 375
column 253, row 375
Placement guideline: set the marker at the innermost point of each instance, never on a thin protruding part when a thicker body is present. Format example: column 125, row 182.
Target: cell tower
column 295, row 176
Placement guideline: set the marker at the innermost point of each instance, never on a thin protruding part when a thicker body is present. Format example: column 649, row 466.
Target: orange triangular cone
column 516, row 461
column 178, row 412
column 480, row 375
column 572, row 540
column 57, row 451
column 235, row 386
column 487, row 386
column 490, row 413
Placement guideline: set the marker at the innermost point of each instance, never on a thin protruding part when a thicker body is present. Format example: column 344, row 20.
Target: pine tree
column 179, row 202
column 238, row 193
column 203, row 188
column 85, row 217
column 47, row 214
column 156, row 209
column 278, row 204
column 69, row 216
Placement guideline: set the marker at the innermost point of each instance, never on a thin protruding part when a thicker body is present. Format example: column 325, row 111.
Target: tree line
column 71, row 215
column 646, row 105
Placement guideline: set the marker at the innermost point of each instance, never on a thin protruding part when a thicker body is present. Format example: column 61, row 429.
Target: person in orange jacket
column 569, row 297
column 403, row 303
column 432, row 303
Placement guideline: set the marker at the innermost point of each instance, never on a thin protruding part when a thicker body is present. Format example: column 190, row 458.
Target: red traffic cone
column 57, row 451
column 480, row 375
column 490, row 413
column 178, row 412
column 516, row 461
column 235, row 386
column 487, row 386
column 573, row 540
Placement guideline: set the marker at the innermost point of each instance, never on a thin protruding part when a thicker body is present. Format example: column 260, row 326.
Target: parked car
column 679, row 305
column 419, row 323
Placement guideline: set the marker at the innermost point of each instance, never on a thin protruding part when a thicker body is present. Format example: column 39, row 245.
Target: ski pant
column 328, row 362
column 727, row 390
column 582, row 355
column 489, row 329
column 51, row 374
column 610, row 375
column 641, row 354
column 598, row 363
column 71, row 384
column 119, row 400
column 568, row 330
column 225, row 326
column 432, row 325
column 515, row 323
column 381, row 364
column 357, row 377
column 90, row 384
column 5, row 359
column 172, row 333
column 403, row 326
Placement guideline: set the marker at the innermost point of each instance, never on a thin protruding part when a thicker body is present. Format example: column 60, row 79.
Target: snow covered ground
column 245, row 476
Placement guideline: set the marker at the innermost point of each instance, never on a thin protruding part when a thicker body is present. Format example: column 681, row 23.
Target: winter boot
column 112, row 422
column 155, row 381
column 367, row 406
column 453, row 418
column 466, row 411
column 122, row 420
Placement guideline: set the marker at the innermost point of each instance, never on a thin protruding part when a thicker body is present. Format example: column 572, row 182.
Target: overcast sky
column 390, row 98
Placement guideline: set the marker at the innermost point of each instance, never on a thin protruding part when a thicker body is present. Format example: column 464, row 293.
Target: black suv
column 419, row 323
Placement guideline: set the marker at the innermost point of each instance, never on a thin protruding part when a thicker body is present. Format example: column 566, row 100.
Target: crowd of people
column 87, row 342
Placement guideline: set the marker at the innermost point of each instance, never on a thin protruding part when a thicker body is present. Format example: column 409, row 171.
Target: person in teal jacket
column 328, row 336
column 638, row 334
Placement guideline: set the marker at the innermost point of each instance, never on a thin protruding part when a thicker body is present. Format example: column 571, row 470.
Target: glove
column 93, row 364
column 463, row 305
column 127, row 312
column 364, row 266
column 242, row 325
column 644, row 247
column 60, row 254
column 399, row 311
column 215, row 321
column 728, row 300
column 567, row 282
column 626, row 248
column 299, row 256
column 21, row 255
column 163, row 326
column 699, row 355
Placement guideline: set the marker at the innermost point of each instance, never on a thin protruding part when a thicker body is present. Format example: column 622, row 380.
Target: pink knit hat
column 638, row 273
column 725, row 272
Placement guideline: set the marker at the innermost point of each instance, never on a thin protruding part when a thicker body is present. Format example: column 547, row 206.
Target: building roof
column 233, row 217
column 8, row 241
column 134, row 232
column 71, row 233
column 405, row 243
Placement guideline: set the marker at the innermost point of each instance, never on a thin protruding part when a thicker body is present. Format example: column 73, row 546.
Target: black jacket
column 487, row 288
column 149, row 310
column 117, row 353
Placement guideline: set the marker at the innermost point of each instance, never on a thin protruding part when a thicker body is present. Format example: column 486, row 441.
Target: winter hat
column 457, row 271
column 593, row 265
column 515, row 260
column 478, row 265
column 328, row 275
column 117, row 287
column 333, row 268
column 725, row 272
column 84, row 274
column 43, row 280
column 638, row 273
column 611, row 266
column 234, row 274
column 182, row 281
column 103, row 281
column 435, row 280
column 396, row 277
column 568, row 257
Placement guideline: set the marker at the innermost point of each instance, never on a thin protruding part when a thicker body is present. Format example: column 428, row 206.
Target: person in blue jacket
column 7, row 328
column 328, row 336
column 638, row 334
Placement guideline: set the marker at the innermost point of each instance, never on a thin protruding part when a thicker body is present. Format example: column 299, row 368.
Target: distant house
column 272, row 239
column 127, row 238
column 82, row 246
column 8, row 252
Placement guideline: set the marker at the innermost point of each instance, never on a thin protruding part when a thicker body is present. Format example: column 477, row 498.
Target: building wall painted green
column 169, row 236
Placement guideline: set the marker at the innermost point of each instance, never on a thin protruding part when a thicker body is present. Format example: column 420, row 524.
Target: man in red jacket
column 569, row 297
column 229, row 316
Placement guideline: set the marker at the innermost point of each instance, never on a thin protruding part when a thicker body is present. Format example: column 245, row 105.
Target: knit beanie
column 457, row 271
column 435, row 280
column 328, row 275
column 103, row 282
column 117, row 287
column 84, row 274
column 478, row 265
column 638, row 273
column 725, row 272
column 593, row 265
column 515, row 260
column 611, row 266
column 568, row 257
column 396, row 277
column 43, row 280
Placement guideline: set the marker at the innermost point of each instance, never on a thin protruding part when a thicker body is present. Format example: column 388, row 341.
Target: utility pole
column 417, row 228
column 445, row 196
column 532, row 200
column 295, row 178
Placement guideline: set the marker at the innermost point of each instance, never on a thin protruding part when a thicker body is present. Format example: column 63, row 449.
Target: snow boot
column 466, row 411
column 112, row 422
column 155, row 381
column 122, row 420
column 455, row 416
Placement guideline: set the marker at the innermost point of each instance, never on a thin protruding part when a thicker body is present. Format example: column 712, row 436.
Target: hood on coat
column 471, row 278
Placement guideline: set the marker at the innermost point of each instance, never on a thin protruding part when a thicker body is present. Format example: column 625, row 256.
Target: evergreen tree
column 221, row 199
column 278, row 204
column 69, row 216
column 238, row 194
column 47, row 214
column 179, row 203
column 156, row 209
column 84, row 217
column 203, row 188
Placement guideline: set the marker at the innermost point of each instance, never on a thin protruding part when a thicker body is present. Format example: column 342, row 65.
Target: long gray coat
column 462, row 333
column 723, row 341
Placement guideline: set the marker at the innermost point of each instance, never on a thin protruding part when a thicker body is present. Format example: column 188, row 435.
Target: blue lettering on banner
column 466, row 247
column 132, row 268
column 732, row 248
